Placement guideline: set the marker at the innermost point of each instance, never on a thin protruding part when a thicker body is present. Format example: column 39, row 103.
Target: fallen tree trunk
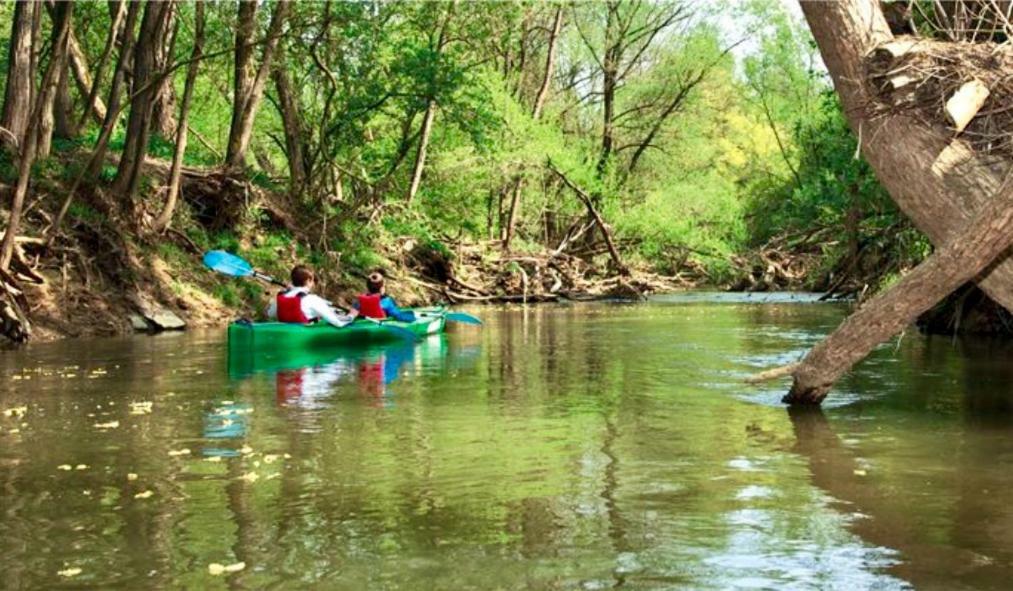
column 964, row 256
column 940, row 183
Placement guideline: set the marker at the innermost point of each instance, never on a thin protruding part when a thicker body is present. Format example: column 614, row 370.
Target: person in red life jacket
column 298, row 306
column 375, row 303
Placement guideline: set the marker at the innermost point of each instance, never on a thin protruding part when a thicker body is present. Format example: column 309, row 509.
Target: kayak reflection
column 306, row 378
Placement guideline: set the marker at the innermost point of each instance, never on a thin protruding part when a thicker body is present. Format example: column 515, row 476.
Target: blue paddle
column 462, row 318
column 235, row 266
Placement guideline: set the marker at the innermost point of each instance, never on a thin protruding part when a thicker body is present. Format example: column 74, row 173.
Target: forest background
column 476, row 151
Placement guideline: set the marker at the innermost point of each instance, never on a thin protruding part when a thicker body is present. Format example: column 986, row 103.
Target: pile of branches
column 786, row 262
column 477, row 272
column 966, row 86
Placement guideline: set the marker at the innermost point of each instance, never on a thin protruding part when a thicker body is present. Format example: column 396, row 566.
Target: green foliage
column 227, row 294
column 715, row 150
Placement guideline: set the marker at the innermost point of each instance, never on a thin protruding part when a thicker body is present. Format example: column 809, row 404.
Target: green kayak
column 259, row 335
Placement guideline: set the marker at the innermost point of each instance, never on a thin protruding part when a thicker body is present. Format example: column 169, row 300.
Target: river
column 585, row 446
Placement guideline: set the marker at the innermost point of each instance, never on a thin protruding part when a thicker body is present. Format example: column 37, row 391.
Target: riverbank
column 105, row 272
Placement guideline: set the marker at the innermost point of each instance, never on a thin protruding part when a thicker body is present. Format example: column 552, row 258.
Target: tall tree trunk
column 536, row 113
column 550, row 64
column 937, row 181
column 115, row 96
column 511, row 220
column 46, row 124
column 249, row 88
column 291, row 118
column 163, row 109
column 63, row 109
column 17, row 106
column 93, row 104
column 610, row 73
column 427, row 120
column 128, row 174
column 165, row 218
column 46, row 95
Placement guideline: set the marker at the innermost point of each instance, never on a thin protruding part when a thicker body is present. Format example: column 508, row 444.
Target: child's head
column 302, row 276
column 374, row 283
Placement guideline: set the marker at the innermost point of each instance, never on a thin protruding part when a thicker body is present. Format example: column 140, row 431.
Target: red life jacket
column 290, row 308
column 369, row 305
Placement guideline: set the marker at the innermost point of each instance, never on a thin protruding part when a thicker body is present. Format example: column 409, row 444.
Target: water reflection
column 569, row 447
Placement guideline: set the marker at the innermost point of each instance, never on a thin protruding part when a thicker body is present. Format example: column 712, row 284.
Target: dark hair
column 301, row 276
column 374, row 283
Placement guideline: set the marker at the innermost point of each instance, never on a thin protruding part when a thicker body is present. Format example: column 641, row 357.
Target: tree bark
column 936, row 181
column 45, row 125
column 17, row 106
column 128, row 174
column 249, row 89
column 427, row 120
column 28, row 152
column 940, row 184
column 291, row 118
column 165, row 217
column 163, row 108
column 63, row 109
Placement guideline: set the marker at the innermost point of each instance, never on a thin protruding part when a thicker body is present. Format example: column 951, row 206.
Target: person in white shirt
column 299, row 306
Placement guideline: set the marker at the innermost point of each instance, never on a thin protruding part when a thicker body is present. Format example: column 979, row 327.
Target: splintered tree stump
column 965, row 103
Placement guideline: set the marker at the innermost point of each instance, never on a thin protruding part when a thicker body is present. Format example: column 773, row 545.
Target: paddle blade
column 463, row 318
column 227, row 264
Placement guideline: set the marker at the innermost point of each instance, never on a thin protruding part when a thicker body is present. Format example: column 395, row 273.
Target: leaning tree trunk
column 427, row 120
column 28, row 151
column 115, row 91
column 165, row 217
column 936, row 180
column 128, row 174
column 966, row 253
column 90, row 88
column 18, row 94
column 420, row 152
